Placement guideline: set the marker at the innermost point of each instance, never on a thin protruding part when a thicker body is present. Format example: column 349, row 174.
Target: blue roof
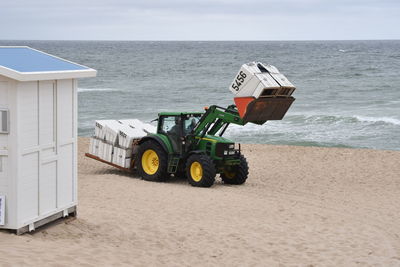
column 25, row 59
column 23, row 63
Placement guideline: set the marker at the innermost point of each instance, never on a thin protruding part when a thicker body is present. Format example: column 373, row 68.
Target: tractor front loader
column 191, row 144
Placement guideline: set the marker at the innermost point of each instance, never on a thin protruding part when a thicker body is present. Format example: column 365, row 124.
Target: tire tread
column 161, row 175
column 209, row 171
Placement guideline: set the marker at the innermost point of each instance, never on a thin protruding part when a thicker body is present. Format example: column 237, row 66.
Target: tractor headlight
column 224, row 149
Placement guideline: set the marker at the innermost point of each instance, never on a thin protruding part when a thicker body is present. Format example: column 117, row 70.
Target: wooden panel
column 28, row 119
column 65, row 175
column 3, row 94
column 46, row 112
column 4, row 104
column 28, row 187
column 3, row 170
column 65, row 110
column 47, row 153
column 48, row 187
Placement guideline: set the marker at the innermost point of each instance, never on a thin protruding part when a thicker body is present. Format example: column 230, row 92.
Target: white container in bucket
column 256, row 80
column 258, row 88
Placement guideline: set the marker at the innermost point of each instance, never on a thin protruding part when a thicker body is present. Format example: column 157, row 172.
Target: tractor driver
column 174, row 133
column 191, row 126
column 175, row 129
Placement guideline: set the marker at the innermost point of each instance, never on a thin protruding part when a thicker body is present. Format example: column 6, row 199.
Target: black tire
column 207, row 176
column 181, row 173
column 237, row 174
column 160, row 174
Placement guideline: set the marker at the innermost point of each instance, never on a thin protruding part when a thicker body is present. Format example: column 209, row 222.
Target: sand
column 301, row 206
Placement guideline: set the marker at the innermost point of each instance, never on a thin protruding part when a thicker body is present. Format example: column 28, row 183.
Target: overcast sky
column 200, row 19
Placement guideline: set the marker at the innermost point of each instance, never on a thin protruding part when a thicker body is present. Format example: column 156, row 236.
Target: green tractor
column 192, row 144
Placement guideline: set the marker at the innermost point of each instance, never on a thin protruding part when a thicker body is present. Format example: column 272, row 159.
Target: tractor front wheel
column 200, row 170
column 152, row 162
column 236, row 174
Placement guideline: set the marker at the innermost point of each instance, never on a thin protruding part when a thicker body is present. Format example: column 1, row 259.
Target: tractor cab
column 176, row 126
column 191, row 144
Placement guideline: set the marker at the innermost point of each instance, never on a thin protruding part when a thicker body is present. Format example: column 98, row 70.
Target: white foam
column 378, row 119
column 82, row 90
column 339, row 118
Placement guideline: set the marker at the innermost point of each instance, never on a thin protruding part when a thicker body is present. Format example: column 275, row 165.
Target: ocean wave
column 378, row 119
column 314, row 118
column 316, row 126
column 82, row 90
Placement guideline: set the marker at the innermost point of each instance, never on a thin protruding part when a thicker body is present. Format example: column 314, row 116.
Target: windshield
column 190, row 123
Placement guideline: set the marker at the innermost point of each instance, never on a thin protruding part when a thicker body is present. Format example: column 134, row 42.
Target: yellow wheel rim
column 196, row 171
column 150, row 162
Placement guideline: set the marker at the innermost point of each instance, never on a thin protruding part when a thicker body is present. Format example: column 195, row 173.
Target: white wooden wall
column 3, row 137
column 66, row 145
column 4, row 103
column 7, row 155
column 47, row 143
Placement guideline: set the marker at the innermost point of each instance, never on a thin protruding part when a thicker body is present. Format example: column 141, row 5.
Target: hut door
column 47, row 144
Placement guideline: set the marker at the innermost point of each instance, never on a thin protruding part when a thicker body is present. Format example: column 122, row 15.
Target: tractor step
column 173, row 163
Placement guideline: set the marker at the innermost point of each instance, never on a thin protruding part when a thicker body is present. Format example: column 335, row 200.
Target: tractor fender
column 156, row 139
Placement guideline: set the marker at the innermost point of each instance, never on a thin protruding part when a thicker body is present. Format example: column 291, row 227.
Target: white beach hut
column 38, row 137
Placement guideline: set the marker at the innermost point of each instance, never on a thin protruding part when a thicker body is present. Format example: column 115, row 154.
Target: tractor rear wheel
column 152, row 162
column 236, row 174
column 200, row 170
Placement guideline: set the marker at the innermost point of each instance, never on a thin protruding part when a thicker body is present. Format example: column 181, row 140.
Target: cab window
column 167, row 124
column 190, row 123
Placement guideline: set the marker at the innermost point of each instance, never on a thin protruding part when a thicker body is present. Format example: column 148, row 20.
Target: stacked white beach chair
column 255, row 81
column 114, row 140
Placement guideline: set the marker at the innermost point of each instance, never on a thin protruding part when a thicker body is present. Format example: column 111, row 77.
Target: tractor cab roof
column 179, row 113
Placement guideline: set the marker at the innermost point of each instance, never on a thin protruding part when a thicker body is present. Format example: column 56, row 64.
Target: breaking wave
column 83, row 90
column 379, row 119
column 344, row 119
column 322, row 130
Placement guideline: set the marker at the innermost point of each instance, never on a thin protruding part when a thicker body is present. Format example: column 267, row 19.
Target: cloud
column 199, row 19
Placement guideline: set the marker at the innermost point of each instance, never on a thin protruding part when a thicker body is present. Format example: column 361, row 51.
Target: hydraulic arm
column 216, row 118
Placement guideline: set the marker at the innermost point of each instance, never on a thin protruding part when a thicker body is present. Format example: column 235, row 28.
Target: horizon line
column 144, row 40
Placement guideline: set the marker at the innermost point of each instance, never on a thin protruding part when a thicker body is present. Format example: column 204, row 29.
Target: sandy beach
column 301, row 206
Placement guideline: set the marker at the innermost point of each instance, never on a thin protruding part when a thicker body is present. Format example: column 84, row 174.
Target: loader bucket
column 260, row 110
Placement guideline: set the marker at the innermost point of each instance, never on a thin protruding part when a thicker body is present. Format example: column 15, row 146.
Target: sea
column 348, row 92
